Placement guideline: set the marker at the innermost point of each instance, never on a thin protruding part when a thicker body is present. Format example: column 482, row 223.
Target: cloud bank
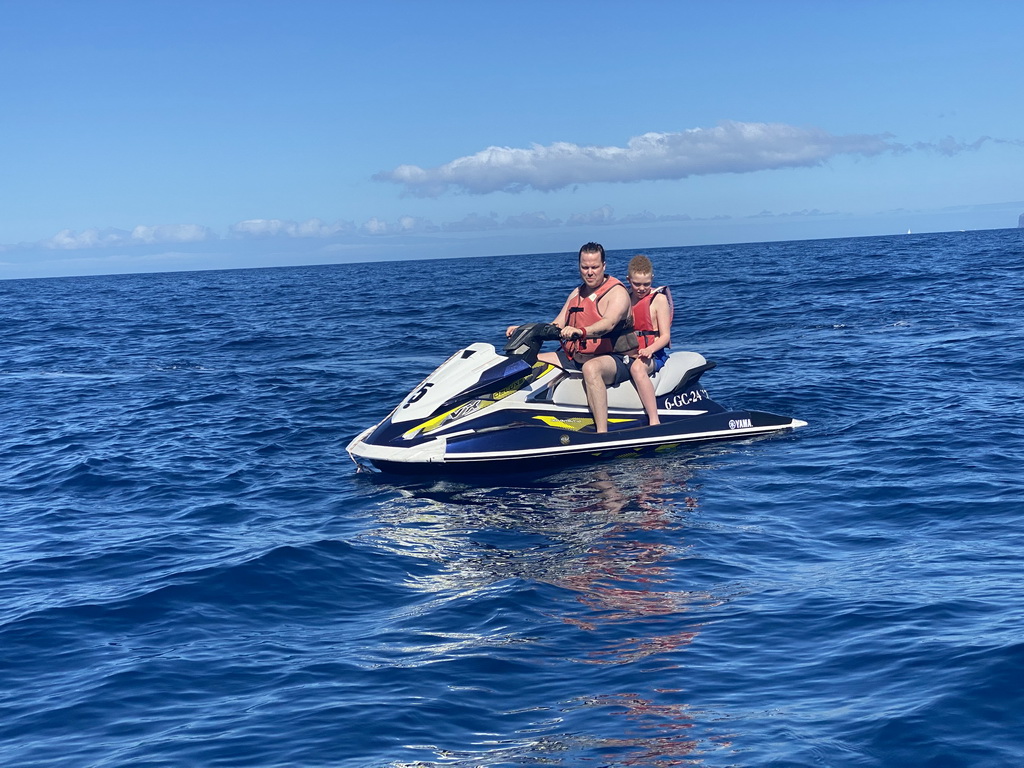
column 262, row 228
column 315, row 229
column 69, row 240
column 729, row 147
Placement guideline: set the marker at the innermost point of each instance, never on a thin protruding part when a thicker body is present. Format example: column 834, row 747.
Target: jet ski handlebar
column 525, row 342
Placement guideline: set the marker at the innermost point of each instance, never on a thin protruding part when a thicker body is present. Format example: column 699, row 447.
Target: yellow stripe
column 575, row 424
column 435, row 422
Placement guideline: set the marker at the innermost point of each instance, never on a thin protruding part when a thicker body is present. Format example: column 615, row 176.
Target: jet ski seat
column 679, row 369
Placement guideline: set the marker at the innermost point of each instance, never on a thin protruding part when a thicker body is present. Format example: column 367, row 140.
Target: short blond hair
column 641, row 265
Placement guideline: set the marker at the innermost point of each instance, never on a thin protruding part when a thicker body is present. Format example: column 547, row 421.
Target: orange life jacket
column 585, row 311
column 643, row 323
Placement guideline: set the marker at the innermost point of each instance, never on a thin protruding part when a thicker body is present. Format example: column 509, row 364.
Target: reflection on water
column 607, row 552
column 662, row 731
column 624, row 568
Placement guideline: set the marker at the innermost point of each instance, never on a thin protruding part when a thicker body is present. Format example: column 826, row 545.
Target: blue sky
column 149, row 136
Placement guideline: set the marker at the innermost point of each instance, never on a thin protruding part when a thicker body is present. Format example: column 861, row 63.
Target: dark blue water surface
column 193, row 574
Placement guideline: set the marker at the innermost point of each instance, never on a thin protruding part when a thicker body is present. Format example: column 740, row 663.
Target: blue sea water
column 193, row 574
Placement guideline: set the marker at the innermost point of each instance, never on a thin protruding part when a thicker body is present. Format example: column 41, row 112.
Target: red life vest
column 643, row 323
column 584, row 312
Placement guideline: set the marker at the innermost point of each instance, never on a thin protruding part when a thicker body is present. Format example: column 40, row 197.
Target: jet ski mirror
column 525, row 343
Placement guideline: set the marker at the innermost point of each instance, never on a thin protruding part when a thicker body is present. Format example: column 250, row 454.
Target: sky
column 140, row 136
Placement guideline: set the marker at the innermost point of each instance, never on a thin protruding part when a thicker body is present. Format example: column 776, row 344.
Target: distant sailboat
column 908, row 231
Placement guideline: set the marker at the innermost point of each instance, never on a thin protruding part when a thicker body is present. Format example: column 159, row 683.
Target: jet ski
column 482, row 411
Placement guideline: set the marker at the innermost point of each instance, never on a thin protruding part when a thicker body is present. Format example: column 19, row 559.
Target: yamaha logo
column 740, row 424
column 564, row 439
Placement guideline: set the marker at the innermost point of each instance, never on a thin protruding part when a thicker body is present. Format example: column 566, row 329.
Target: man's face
column 591, row 269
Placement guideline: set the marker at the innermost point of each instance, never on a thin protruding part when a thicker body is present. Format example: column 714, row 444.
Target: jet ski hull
column 526, row 446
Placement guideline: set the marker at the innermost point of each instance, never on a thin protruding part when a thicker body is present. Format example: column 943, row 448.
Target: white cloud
column 949, row 146
column 409, row 225
column 801, row 214
column 596, row 217
column 70, row 240
column 263, row 228
column 473, row 222
column 179, row 233
column 375, row 226
column 534, row 220
column 405, row 225
column 730, row 147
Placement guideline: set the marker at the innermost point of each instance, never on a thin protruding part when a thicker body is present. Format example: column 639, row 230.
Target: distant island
column 1020, row 221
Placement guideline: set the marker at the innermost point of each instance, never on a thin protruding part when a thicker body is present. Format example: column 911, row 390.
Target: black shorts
column 622, row 363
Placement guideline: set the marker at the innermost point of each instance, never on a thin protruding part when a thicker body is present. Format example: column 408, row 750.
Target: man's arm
column 614, row 308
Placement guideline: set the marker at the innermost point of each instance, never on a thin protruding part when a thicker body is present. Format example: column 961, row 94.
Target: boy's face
column 641, row 283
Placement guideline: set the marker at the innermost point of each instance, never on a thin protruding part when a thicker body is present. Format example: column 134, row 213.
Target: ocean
column 193, row 573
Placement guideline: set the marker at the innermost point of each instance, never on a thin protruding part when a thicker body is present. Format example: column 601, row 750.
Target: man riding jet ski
column 484, row 411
